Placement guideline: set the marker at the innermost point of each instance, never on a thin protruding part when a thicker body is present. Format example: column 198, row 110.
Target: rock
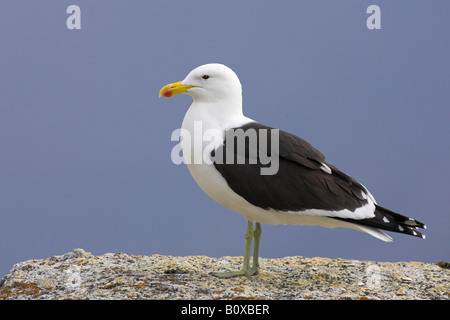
column 81, row 275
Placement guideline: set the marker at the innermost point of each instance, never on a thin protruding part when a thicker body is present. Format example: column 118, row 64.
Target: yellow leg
column 246, row 271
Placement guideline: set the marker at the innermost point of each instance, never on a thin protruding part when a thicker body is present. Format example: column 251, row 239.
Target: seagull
column 268, row 175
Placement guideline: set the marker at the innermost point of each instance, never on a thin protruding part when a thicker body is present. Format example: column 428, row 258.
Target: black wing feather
column 301, row 183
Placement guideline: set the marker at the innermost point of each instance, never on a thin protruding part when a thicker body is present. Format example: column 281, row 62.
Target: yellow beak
column 174, row 88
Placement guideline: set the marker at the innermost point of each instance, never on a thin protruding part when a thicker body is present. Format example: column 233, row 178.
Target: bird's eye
column 205, row 77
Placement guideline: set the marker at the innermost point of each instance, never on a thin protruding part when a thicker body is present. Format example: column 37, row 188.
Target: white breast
column 205, row 132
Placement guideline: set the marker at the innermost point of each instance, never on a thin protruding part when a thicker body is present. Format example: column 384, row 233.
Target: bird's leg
column 245, row 271
column 248, row 246
column 256, row 237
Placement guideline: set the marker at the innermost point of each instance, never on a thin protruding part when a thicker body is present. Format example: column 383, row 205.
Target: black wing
column 303, row 180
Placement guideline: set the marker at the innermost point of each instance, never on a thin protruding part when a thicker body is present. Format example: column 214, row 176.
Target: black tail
column 390, row 221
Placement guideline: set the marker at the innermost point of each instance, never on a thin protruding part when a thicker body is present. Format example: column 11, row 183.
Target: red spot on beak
column 168, row 94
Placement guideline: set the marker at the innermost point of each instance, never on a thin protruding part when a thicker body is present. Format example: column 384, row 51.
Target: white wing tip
column 376, row 233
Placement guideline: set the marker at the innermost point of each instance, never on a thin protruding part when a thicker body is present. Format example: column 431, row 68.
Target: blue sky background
column 85, row 140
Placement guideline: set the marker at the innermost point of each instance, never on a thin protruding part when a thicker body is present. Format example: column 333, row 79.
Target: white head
column 208, row 83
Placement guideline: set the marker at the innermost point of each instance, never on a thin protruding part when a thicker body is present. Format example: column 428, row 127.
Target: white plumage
column 216, row 108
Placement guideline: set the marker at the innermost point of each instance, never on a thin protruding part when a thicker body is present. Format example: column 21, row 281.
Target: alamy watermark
column 374, row 20
column 73, row 22
column 72, row 278
column 374, row 277
column 232, row 147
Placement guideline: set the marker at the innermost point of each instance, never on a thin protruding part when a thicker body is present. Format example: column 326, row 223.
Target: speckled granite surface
column 81, row 275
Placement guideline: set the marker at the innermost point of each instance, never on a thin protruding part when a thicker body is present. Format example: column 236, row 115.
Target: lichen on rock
column 81, row 275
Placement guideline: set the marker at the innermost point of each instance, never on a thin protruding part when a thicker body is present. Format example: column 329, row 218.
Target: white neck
column 206, row 126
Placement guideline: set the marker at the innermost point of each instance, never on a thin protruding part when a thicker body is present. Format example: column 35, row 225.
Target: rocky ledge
column 81, row 275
